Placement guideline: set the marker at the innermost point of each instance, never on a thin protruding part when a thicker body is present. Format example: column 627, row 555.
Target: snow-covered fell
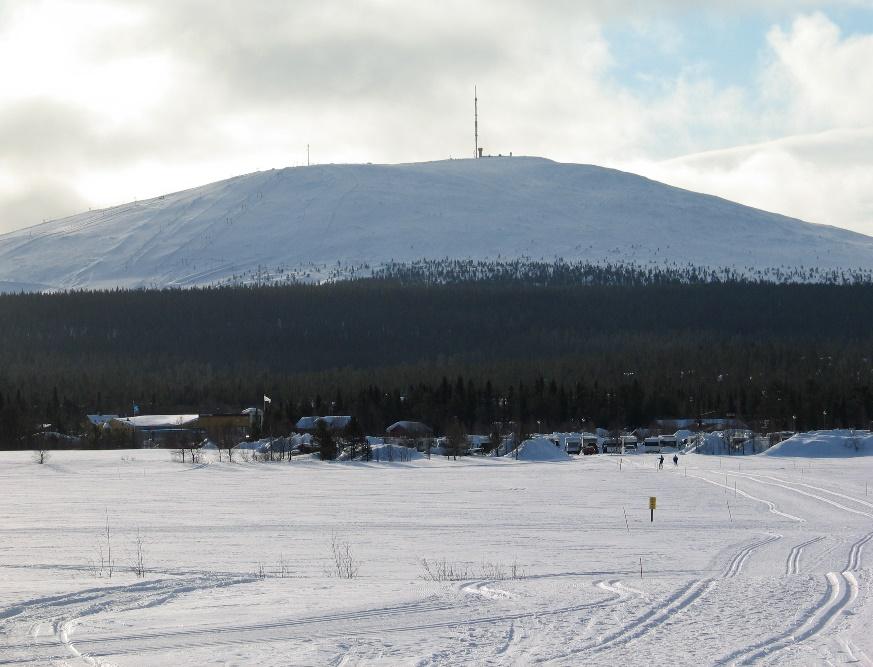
column 327, row 220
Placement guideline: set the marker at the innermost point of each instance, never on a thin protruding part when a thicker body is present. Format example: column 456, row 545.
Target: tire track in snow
column 792, row 565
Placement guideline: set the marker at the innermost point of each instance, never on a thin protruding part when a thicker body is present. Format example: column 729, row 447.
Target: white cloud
column 823, row 78
column 825, row 178
column 817, row 84
column 115, row 99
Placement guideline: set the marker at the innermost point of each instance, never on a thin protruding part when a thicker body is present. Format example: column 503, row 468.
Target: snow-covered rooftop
column 158, row 421
column 413, row 427
column 99, row 420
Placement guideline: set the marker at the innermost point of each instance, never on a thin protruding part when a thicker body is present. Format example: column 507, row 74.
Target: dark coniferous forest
column 550, row 350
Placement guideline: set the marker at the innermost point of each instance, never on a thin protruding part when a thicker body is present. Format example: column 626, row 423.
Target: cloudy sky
column 767, row 102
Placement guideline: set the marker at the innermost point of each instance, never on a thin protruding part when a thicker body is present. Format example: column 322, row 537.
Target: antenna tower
column 476, row 122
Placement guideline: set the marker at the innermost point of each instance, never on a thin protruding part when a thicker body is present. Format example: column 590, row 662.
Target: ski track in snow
column 62, row 613
column 370, row 622
column 842, row 591
column 792, row 565
column 856, row 551
column 736, row 564
column 523, row 637
column 820, row 488
column 770, row 504
column 486, row 589
column 793, row 486
column 842, row 587
column 657, row 614
column 653, row 617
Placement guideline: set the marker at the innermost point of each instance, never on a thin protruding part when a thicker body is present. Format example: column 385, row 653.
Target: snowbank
column 825, row 444
column 681, row 434
column 259, row 446
column 539, row 449
column 383, row 453
column 717, row 443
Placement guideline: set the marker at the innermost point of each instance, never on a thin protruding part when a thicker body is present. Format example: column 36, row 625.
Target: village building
column 172, row 430
column 334, row 423
column 410, row 434
column 243, row 421
column 159, row 430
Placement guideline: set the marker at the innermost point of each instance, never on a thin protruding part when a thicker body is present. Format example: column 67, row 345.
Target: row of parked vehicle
column 587, row 444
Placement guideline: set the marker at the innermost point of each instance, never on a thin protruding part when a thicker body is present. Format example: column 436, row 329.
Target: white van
column 669, row 441
column 652, row 445
column 629, row 442
column 612, row 446
column 573, row 444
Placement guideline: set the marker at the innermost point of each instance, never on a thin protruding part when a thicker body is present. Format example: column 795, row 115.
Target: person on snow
column 661, row 462
column 676, row 460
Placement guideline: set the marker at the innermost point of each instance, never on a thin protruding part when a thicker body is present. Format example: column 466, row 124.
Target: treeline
column 560, row 273
column 448, row 271
column 607, row 354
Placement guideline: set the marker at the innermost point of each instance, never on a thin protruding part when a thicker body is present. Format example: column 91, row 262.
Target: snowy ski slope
column 755, row 560
column 328, row 220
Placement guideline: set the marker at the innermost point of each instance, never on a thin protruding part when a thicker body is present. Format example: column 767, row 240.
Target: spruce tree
column 325, row 441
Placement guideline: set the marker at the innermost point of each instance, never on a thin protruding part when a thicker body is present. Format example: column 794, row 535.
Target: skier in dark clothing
column 661, row 462
column 675, row 460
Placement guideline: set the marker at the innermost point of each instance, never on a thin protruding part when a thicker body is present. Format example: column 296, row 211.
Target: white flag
column 267, row 399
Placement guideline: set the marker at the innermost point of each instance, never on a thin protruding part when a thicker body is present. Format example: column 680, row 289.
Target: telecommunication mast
column 476, row 122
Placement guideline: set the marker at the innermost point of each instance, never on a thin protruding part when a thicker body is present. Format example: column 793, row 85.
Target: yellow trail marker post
column 653, row 503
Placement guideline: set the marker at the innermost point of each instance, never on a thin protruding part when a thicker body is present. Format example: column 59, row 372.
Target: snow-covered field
column 761, row 559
